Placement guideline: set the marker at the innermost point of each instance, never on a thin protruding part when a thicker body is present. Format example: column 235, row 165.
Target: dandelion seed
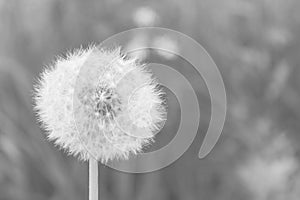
column 99, row 103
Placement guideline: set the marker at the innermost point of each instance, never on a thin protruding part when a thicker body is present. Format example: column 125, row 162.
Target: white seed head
column 98, row 103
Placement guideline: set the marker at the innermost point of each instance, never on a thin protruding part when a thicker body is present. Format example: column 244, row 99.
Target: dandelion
column 99, row 104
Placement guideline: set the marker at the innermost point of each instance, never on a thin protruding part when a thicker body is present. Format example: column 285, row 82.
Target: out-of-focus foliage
column 256, row 45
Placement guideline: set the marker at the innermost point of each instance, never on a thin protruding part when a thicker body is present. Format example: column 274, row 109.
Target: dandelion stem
column 93, row 179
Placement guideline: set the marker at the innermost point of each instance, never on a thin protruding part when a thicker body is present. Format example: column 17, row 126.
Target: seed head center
column 102, row 103
column 106, row 102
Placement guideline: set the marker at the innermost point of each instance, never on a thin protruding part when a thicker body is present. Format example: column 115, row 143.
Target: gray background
column 256, row 45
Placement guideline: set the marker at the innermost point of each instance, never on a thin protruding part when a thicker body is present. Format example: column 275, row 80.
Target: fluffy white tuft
column 98, row 103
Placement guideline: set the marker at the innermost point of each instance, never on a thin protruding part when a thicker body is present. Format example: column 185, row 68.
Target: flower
column 99, row 103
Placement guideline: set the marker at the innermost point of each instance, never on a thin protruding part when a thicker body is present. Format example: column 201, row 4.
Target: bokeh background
column 256, row 45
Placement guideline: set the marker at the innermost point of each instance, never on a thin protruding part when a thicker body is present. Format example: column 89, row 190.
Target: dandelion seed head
column 99, row 103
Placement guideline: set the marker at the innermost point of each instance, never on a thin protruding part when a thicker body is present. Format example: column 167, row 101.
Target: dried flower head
column 99, row 103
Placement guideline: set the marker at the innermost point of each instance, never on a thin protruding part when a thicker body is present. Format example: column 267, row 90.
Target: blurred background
column 255, row 44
